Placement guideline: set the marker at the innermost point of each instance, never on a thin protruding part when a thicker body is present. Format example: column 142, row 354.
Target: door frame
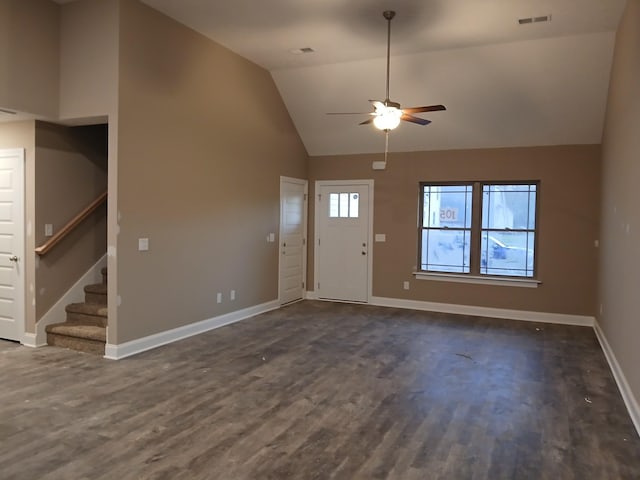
column 305, row 216
column 20, row 248
column 316, row 260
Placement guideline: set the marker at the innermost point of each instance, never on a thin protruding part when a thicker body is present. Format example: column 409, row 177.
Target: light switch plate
column 143, row 244
column 272, row 237
column 48, row 229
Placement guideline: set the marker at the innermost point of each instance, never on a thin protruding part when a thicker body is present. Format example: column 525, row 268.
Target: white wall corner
column 311, row 295
column 127, row 349
column 57, row 313
column 621, row 380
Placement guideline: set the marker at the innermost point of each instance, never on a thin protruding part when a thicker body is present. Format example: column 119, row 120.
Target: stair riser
column 86, row 319
column 83, row 345
column 95, row 298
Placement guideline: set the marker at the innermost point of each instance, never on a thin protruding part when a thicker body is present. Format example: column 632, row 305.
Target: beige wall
column 22, row 135
column 568, row 221
column 71, row 171
column 203, row 139
column 29, row 54
column 620, row 255
column 89, row 59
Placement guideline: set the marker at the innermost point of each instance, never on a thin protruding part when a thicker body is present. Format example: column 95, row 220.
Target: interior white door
column 343, row 242
column 12, row 244
column 293, row 221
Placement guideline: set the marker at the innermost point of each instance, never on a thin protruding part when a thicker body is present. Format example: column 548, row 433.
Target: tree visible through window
column 501, row 238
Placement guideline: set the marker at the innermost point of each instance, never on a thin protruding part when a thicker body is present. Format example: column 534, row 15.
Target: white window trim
column 483, row 280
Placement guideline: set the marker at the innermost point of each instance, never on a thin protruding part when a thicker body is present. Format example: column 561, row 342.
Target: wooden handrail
column 73, row 223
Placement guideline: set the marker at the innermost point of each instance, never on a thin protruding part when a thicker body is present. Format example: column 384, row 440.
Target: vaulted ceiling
column 504, row 84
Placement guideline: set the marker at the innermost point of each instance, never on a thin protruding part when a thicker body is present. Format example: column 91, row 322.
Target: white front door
column 342, row 246
column 293, row 231
column 12, row 244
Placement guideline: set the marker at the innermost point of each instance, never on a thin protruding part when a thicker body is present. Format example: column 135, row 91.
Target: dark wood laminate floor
column 323, row 391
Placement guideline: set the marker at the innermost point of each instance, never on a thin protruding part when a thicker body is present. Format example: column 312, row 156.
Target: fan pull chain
column 386, row 145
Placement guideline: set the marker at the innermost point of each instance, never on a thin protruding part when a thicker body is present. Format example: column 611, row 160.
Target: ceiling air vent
column 300, row 51
column 540, row 19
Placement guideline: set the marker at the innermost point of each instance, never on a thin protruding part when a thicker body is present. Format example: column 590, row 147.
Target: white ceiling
column 503, row 84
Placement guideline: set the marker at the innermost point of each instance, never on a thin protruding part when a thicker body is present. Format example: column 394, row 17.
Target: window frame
column 474, row 275
column 421, row 227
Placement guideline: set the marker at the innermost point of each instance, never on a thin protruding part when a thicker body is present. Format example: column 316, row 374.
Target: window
column 344, row 205
column 446, row 228
column 486, row 229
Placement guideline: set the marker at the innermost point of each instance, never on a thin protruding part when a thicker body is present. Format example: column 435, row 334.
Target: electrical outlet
column 219, row 297
column 405, row 285
column 143, row 244
column 232, row 295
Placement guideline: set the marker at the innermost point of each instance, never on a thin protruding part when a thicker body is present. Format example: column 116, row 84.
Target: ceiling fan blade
column 350, row 113
column 366, row 122
column 429, row 108
column 378, row 105
column 410, row 118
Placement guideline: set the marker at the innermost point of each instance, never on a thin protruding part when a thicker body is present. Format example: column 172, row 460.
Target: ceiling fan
column 388, row 114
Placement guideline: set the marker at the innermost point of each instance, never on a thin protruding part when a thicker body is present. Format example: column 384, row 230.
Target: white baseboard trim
column 57, row 313
column 543, row 317
column 126, row 349
column 627, row 394
column 29, row 340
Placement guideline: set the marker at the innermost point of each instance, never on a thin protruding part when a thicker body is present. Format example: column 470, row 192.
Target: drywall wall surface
column 203, row 138
column 29, row 56
column 88, row 59
column 620, row 232
column 71, row 172
column 568, row 221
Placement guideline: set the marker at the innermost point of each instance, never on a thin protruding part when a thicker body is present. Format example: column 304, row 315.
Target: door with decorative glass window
column 342, row 241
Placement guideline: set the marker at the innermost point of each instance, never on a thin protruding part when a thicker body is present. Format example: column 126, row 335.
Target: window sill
column 463, row 278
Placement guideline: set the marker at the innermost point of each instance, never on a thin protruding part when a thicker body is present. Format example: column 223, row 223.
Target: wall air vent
column 540, row 19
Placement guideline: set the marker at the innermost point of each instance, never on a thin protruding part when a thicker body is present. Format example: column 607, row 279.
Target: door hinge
column 318, row 285
column 302, row 284
column 304, row 241
column 305, row 197
column 319, row 197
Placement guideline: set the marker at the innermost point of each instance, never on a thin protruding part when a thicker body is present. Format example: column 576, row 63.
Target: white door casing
column 12, row 264
column 343, row 243
column 293, row 243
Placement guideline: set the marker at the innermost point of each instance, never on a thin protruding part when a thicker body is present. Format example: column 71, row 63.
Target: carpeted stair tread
column 95, row 309
column 86, row 332
column 97, row 288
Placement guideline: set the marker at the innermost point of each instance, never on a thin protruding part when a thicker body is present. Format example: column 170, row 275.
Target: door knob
column 13, row 258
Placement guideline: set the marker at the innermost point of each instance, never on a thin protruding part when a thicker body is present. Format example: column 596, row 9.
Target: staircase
column 86, row 327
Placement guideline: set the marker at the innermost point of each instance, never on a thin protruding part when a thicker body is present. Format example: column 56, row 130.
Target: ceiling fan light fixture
column 387, row 118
